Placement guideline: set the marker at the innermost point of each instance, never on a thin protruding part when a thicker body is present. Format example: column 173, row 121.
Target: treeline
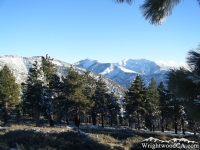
column 79, row 97
column 76, row 96
column 176, row 106
column 155, row 107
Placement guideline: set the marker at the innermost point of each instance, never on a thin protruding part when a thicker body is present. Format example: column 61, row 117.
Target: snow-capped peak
column 86, row 63
column 171, row 64
column 125, row 71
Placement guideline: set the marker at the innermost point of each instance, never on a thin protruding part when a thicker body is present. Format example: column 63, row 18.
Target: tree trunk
column 195, row 133
column 195, row 127
column 5, row 112
column 102, row 120
column 37, row 116
column 175, row 124
column 166, row 126
column 77, row 119
column 51, row 122
column 162, row 122
column 183, row 127
column 94, row 121
column 138, row 120
column 153, row 127
column 111, row 120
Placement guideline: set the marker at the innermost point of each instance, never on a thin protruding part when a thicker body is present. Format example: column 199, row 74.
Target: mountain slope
column 125, row 71
column 20, row 67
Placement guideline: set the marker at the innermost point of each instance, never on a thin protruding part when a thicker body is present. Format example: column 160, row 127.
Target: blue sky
column 73, row 30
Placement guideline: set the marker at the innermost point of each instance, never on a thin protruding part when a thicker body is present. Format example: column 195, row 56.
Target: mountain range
column 125, row 71
column 117, row 76
column 21, row 65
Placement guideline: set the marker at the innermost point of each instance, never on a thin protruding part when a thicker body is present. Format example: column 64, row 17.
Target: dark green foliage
column 9, row 90
column 152, row 102
column 33, row 92
column 112, row 107
column 176, row 110
column 157, row 10
column 193, row 60
column 181, row 85
column 49, row 75
column 32, row 89
column 48, row 68
column 100, row 100
column 185, row 84
column 152, row 97
column 136, row 100
column 77, row 89
column 38, row 91
column 164, row 104
column 121, row 1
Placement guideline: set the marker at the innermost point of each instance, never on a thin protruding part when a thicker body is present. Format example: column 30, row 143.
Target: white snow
column 125, row 71
column 171, row 65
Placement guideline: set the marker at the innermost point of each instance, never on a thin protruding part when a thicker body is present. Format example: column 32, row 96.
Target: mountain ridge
column 20, row 66
column 125, row 71
column 122, row 72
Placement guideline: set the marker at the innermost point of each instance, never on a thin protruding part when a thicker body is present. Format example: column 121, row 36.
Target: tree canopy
column 9, row 90
column 156, row 11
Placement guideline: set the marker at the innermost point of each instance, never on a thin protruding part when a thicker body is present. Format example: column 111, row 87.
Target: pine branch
column 156, row 11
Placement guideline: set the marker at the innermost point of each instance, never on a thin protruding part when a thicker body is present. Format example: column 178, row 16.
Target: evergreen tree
column 74, row 87
column 49, row 73
column 156, row 10
column 58, row 100
column 135, row 100
column 112, row 107
column 164, row 104
column 185, row 84
column 176, row 111
column 9, row 90
column 89, row 91
column 100, row 100
column 48, row 68
column 152, row 102
column 33, row 91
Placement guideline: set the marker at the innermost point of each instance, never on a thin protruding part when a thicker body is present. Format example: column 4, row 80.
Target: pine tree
column 33, row 91
column 164, row 103
column 49, row 71
column 9, row 90
column 135, row 100
column 176, row 110
column 74, row 87
column 112, row 107
column 100, row 100
column 152, row 97
column 59, row 101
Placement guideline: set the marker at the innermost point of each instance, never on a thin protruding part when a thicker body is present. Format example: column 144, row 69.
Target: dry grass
column 64, row 138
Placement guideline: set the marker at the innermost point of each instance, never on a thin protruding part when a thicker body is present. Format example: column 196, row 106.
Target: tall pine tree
column 164, row 104
column 135, row 100
column 152, row 97
column 100, row 100
column 74, row 87
column 49, row 72
column 9, row 90
column 33, row 91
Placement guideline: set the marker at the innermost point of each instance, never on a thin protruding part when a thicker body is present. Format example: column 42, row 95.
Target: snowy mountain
column 20, row 66
column 116, row 75
column 125, row 71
